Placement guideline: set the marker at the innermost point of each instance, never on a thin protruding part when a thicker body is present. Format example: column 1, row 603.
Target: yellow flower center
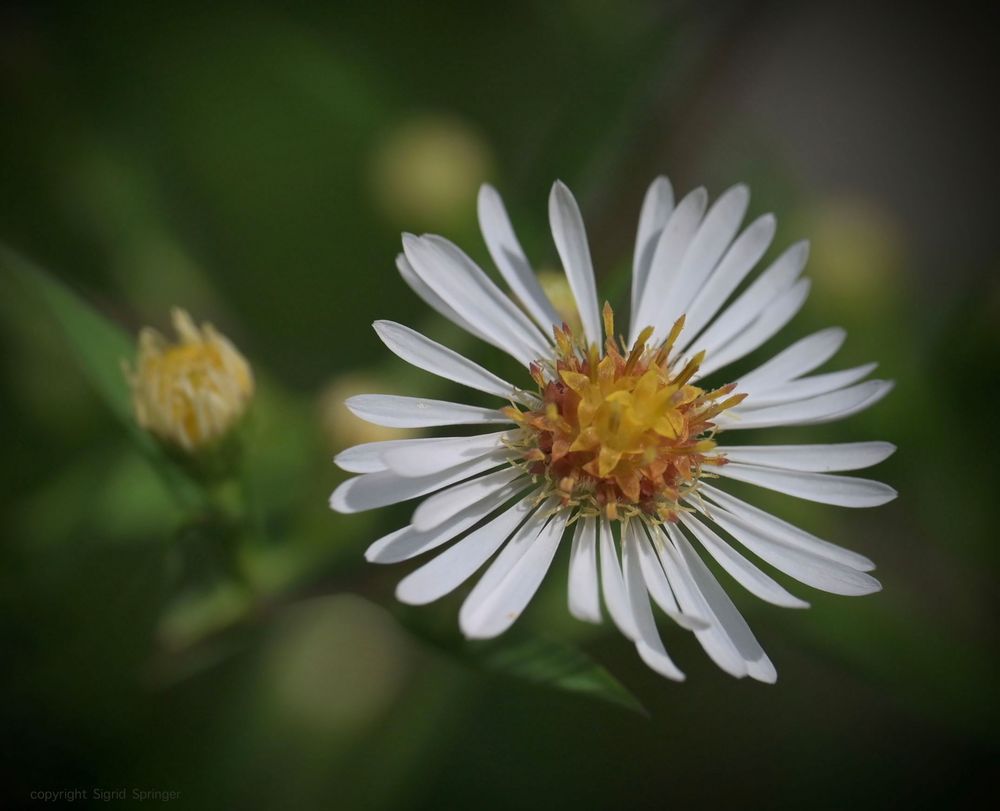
column 626, row 431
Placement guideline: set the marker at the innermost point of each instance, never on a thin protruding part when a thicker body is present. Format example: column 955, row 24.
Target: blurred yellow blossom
column 858, row 250
column 427, row 172
column 335, row 665
column 190, row 393
column 557, row 288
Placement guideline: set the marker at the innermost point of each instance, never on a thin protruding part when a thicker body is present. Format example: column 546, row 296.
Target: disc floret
column 622, row 434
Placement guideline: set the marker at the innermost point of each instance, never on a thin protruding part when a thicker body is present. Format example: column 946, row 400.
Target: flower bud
column 191, row 393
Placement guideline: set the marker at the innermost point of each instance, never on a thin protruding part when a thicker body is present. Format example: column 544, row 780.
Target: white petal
column 367, row 457
column 804, row 388
column 740, row 569
column 774, row 317
column 443, row 452
column 813, row 570
column 443, row 505
column 657, row 206
column 584, row 590
column 408, row 542
column 458, row 562
column 496, row 611
column 491, row 301
column 422, row 457
column 659, row 587
column 571, row 242
column 770, row 526
column 432, row 299
column 728, row 618
column 829, row 407
column 714, row 235
column 501, row 566
column 674, row 240
column 842, row 491
column 371, row 490
column 394, row 411
column 713, row 639
column 508, row 256
column 647, row 641
column 801, row 357
column 811, row 458
column 613, row 584
column 774, row 281
column 739, row 260
column 470, row 293
column 422, row 352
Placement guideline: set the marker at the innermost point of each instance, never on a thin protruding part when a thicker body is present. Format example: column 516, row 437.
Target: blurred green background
column 255, row 164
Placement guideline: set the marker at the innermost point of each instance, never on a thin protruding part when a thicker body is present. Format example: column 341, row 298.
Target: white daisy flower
column 617, row 443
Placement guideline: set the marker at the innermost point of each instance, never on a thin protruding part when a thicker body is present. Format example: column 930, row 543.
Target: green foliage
column 101, row 349
column 553, row 664
column 99, row 346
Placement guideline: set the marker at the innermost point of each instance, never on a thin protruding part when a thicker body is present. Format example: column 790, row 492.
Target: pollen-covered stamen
column 625, row 433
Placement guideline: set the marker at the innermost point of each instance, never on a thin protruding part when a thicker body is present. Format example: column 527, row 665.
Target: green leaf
column 554, row 664
column 100, row 347
column 523, row 655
